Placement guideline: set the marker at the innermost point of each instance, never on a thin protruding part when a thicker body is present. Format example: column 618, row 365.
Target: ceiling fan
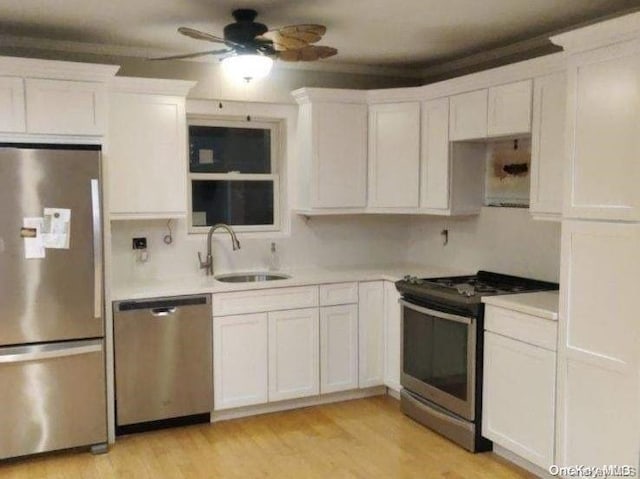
column 245, row 36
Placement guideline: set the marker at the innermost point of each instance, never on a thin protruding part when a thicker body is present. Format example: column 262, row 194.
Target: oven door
column 439, row 357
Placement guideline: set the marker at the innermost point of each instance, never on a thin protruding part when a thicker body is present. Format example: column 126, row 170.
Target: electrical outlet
column 139, row 243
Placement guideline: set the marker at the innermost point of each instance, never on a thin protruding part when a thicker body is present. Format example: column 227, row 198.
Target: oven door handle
column 437, row 314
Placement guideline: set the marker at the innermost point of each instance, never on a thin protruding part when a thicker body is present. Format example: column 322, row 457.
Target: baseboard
column 521, row 462
column 393, row 392
column 296, row 403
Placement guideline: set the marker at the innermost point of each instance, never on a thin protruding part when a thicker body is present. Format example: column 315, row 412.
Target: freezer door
column 57, row 398
column 57, row 297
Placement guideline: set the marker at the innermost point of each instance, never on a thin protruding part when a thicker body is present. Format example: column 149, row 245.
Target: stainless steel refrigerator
column 52, row 367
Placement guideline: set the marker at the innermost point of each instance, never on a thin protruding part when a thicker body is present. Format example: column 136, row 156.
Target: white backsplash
column 320, row 241
column 505, row 240
column 500, row 239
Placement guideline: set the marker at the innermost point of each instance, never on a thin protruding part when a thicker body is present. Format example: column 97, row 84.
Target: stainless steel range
column 442, row 345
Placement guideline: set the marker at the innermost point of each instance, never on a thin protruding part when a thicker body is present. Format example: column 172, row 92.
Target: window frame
column 276, row 128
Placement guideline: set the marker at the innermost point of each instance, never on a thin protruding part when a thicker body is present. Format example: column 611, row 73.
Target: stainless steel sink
column 250, row 277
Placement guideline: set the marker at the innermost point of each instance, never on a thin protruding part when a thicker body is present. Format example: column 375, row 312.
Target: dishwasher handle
column 161, row 312
column 160, row 305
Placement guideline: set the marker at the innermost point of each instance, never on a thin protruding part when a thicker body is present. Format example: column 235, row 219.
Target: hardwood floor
column 367, row 438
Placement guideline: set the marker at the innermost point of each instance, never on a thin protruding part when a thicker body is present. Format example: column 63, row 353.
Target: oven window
column 435, row 352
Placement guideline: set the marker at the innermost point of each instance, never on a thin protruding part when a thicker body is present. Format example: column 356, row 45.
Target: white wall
column 326, row 241
column 505, row 240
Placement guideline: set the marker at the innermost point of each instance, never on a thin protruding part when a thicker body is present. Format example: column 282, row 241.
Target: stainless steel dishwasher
column 163, row 362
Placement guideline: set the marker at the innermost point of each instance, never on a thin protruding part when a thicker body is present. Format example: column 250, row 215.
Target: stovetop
column 468, row 290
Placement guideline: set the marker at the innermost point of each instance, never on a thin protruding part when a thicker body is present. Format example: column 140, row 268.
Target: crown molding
column 615, row 30
column 36, row 68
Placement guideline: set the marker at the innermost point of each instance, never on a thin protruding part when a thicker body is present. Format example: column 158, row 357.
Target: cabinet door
column 147, row 156
column 468, row 116
column 510, row 109
column 339, row 149
column 519, row 398
column 392, row 336
column 240, row 360
column 371, row 334
column 338, row 348
column 604, row 135
column 598, row 353
column 547, row 144
column 65, row 107
column 394, row 155
column 12, row 105
column 294, row 351
column 434, row 171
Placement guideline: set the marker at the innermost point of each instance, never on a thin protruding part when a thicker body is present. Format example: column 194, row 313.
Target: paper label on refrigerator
column 56, row 228
column 32, row 233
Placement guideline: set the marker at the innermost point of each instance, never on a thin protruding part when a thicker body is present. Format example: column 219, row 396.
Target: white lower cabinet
column 371, row 333
column 240, row 360
column 338, row 348
column 294, row 345
column 519, row 397
column 393, row 336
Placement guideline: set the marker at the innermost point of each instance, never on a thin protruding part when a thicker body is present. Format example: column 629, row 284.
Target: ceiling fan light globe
column 247, row 66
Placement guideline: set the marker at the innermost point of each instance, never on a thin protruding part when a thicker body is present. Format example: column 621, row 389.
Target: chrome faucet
column 208, row 263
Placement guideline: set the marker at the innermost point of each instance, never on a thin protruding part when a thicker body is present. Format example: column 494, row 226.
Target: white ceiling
column 401, row 33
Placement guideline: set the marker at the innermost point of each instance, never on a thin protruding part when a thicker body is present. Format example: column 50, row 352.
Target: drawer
column 523, row 327
column 264, row 300
column 338, row 293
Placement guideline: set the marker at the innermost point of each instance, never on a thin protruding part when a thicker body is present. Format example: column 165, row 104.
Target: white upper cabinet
column 394, row 155
column 294, row 354
column 509, row 109
column 371, row 333
column 604, row 134
column 65, row 107
column 333, row 151
column 434, row 171
column 468, row 116
column 42, row 99
column 147, row 151
column 548, row 145
column 12, row 105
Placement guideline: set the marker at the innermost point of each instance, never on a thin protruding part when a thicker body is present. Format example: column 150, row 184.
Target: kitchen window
column 233, row 174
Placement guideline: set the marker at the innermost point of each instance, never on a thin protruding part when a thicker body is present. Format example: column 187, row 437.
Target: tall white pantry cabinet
column 598, row 410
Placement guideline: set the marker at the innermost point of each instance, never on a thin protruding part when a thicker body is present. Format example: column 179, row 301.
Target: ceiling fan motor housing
column 244, row 30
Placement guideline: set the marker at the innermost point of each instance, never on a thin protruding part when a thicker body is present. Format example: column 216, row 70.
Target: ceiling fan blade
column 310, row 33
column 198, row 35
column 193, row 55
column 281, row 42
column 307, row 54
column 295, row 37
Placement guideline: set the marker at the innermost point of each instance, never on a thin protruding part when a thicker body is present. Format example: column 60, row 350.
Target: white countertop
column 543, row 304
column 199, row 284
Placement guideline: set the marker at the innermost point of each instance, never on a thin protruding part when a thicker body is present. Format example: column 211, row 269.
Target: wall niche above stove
column 497, row 171
column 508, row 173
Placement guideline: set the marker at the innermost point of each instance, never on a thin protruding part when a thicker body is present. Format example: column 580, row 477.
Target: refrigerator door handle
column 22, row 354
column 97, row 249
